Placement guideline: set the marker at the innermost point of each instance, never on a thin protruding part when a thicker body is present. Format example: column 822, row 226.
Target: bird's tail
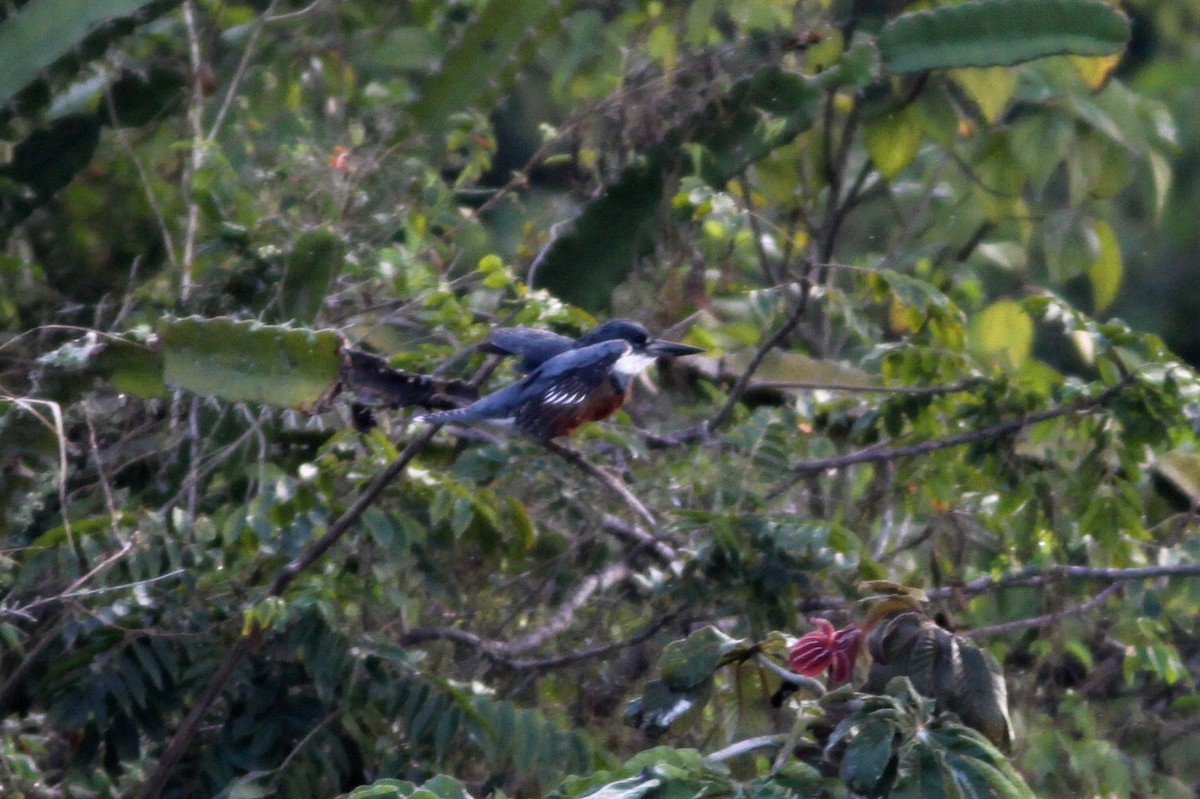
column 447, row 417
column 375, row 383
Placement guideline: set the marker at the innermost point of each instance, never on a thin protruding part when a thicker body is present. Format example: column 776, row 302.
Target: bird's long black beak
column 671, row 348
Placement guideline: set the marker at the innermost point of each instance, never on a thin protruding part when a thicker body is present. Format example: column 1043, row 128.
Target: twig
column 777, row 338
column 24, row 610
column 144, row 179
column 747, row 746
column 640, row 538
column 297, row 14
column 196, row 156
column 235, row 82
column 287, row 761
column 105, row 484
column 1025, row 578
column 556, row 231
column 1048, row 619
column 813, row 686
column 564, row 615
column 882, row 454
column 546, row 664
column 916, row 391
column 494, row 651
column 705, row 429
column 616, row 486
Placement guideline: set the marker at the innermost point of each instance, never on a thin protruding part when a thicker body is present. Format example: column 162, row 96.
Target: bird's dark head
column 639, row 338
column 614, row 330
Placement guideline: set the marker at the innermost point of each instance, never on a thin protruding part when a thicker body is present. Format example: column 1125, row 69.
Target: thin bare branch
column 707, row 428
column 1047, row 619
column 747, row 746
column 882, row 454
column 196, row 156
column 564, row 615
column 641, row 539
column 25, row 610
column 492, row 649
column 236, row 81
column 612, row 483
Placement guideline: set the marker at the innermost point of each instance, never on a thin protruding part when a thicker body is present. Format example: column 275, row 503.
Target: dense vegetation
column 932, row 252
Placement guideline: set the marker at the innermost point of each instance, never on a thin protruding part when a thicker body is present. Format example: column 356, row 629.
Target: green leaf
column 487, row 50
column 893, row 139
column 868, row 756
column 583, row 266
column 1182, row 469
column 688, row 663
column 245, row 361
column 44, row 162
column 1069, row 246
column 761, row 113
column 1105, row 272
column 445, row 787
column 45, row 30
column 989, row 87
column 1002, row 334
column 316, row 259
column 986, row 33
column 141, row 97
column 1039, row 140
column 922, row 776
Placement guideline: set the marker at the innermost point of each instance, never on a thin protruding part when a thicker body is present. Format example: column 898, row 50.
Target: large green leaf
column 586, row 264
column 865, row 767
column 488, row 49
column 245, row 361
column 688, row 663
column 315, row 260
column 46, row 161
column 986, row 33
column 45, row 30
column 760, row 113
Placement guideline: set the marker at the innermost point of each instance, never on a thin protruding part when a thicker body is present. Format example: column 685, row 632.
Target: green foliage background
column 940, row 255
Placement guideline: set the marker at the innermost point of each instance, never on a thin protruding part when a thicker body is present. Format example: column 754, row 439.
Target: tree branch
column 705, row 429
column 641, row 539
column 616, row 486
column 1040, row 575
column 564, row 615
column 882, row 454
column 1047, row 619
column 494, row 651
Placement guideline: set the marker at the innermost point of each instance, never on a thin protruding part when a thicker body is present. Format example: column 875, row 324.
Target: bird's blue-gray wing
column 567, row 388
column 533, row 347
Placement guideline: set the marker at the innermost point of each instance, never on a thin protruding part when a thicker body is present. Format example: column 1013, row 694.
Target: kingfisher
column 569, row 382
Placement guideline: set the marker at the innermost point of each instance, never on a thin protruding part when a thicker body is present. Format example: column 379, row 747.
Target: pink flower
column 826, row 648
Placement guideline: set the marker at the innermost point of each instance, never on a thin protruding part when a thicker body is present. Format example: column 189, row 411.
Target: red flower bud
column 825, row 648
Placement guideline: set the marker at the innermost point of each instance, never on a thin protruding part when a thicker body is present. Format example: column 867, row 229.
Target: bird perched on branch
column 569, row 382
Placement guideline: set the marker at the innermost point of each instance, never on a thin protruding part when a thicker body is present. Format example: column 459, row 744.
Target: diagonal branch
column 564, row 615
column 882, row 454
column 1047, row 619
column 492, row 649
column 705, row 429
column 612, row 483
